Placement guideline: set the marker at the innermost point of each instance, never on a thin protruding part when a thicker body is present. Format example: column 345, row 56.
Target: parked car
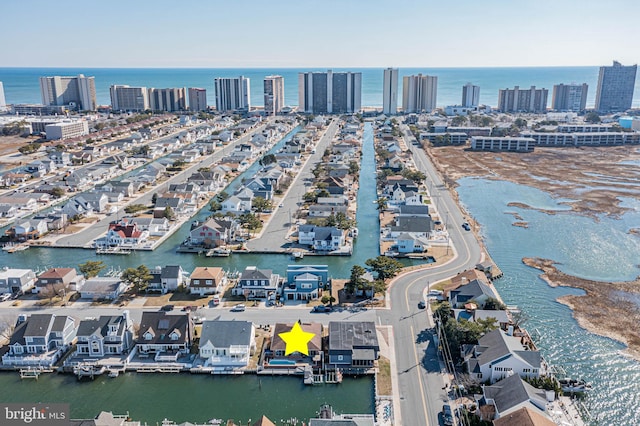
column 466, row 226
column 321, row 308
column 421, row 305
column 167, row 308
column 238, row 308
column 447, row 415
column 5, row 296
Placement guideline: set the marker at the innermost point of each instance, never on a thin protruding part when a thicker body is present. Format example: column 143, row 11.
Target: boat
column 298, row 255
column 112, row 250
column 354, row 232
column 218, row 252
column 570, row 385
column 12, row 248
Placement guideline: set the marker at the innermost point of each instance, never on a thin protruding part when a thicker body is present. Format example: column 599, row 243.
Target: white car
column 238, row 308
column 5, row 296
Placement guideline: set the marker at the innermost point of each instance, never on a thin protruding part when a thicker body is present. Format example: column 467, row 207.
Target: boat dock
column 33, row 372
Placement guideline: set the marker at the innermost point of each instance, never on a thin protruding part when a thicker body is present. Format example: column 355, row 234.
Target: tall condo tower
column 569, row 97
column 523, row 100
column 232, row 93
column 390, row 91
column 419, row 93
column 197, row 99
column 127, row 98
column 470, row 95
column 329, row 92
column 273, row 94
column 615, row 87
column 3, row 102
column 79, row 90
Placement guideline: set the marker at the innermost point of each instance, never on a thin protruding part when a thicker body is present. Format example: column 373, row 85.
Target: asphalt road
column 275, row 233
column 420, row 378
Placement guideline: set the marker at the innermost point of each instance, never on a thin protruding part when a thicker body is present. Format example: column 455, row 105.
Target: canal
column 366, row 246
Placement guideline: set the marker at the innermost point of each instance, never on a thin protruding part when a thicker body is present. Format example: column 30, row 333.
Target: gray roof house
column 498, row 355
column 475, row 290
column 40, row 340
column 102, row 288
column 353, row 344
column 104, row 336
column 167, row 336
column 509, row 395
column 167, row 278
column 257, row 283
column 16, row 280
column 226, row 344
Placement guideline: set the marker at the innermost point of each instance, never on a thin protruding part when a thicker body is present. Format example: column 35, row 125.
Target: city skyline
column 360, row 35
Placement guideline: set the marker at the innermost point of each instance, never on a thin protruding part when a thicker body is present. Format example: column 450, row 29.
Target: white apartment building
column 197, row 99
column 390, row 91
column 419, row 93
column 127, row 98
column 67, row 129
column 273, row 94
column 232, row 93
column 79, row 91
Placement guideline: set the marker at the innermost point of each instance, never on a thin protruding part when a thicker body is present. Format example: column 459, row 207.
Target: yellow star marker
column 297, row 340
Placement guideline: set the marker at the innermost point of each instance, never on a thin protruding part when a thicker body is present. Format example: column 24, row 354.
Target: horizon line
column 300, row 67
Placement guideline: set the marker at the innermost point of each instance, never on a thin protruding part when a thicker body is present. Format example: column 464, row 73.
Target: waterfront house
column 277, row 347
column 498, row 355
column 40, row 340
column 408, row 243
column 154, row 226
column 417, row 227
column 125, row 187
column 353, row 344
column 257, row 283
column 58, row 277
column 165, row 336
column 524, row 416
column 305, row 282
column 319, row 210
column 176, row 204
column 8, row 211
column 227, row 344
column 476, row 290
column 509, row 395
column 105, row 336
column 167, row 278
column 21, row 200
column 472, row 314
column 334, row 200
column 261, row 189
column 54, row 220
column 214, row 232
column 420, row 210
column 93, row 201
column 122, row 234
column 321, row 238
column 327, row 417
column 107, row 418
column 207, row 180
column 10, row 179
column 187, row 187
column 246, row 199
column 207, row 280
column 102, row 288
column 16, row 280
column 28, row 230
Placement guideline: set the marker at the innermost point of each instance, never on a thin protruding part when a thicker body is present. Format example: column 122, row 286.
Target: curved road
column 420, row 378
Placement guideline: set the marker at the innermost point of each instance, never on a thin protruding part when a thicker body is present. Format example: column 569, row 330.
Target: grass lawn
column 384, row 377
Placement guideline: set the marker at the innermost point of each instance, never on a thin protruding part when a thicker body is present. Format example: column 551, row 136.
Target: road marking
column 424, row 402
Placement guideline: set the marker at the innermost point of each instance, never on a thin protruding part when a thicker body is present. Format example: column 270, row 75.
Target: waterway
column 366, row 246
column 187, row 397
column 601, row 250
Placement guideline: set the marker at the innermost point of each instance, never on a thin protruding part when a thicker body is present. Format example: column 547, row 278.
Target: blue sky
column 328, row 33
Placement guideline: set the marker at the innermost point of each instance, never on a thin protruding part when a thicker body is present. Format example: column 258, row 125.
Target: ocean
column 21, row 85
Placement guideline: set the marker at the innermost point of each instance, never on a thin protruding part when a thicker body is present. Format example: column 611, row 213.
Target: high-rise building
column 390, row 91
column 127, row 98
column 569, row 97
column 329, row 92
column 170, row 100
column 197, row 99
column 273, row 94
column 523, row 100
column 79, row 91
column 232, row 93
column 3, row 102
column 470, row 95
column 419, row 93
column 615, row 87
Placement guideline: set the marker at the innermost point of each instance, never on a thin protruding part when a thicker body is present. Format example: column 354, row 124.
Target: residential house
column 59, row 277
column 420, row 210
column 188, row 187
column 28, row 229
column 227, row 344
column 415, row 226
column 334, row 200
column 408, row 243
column 16, row 281
column 498, row 355
column 122, row 234
column 214, row 232
column 21, row 200
column 327, row 417
column 150, row 173
column 353, row 344
column 524, row 416
column 60, row 158
column 78, row 180
column 261, row 189
column 102, row 288
column 321, row 238
column 10, row 179
column 167, row 278
column 477, row 291
column 154, row 226
column 40, row 340
column 277, row 347
column 305, row 282
column 8, row 211
column 166, row 336
column 473, row 314
column 207, row 181
column 246, row 199
column 321, row 210
column 509, row 395
column 207, row 280
column 338, row 170
column 93, row 201
column 257, row 283
column 55, row 221
column 125, row 187
column 105, row 336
